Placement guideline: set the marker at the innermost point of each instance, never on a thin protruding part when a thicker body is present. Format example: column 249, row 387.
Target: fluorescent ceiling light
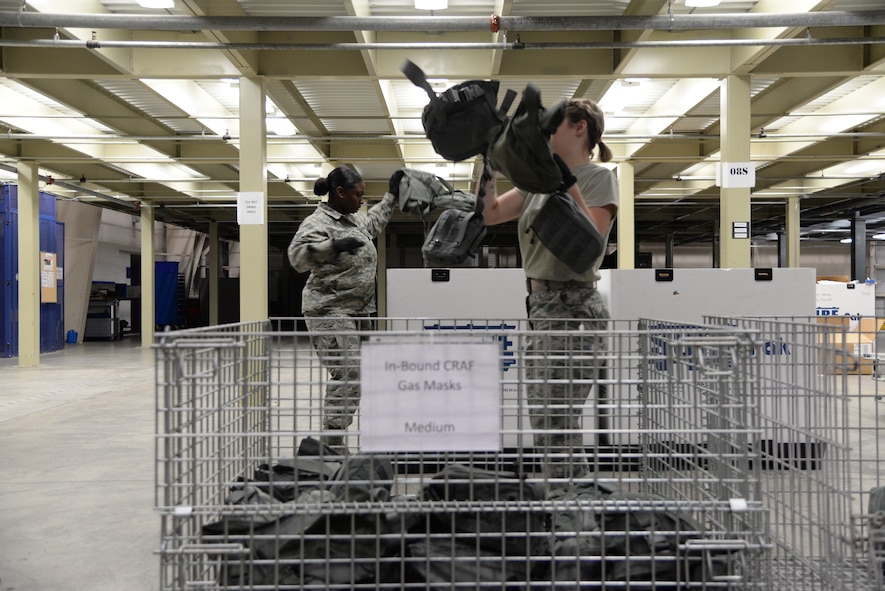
column 863, row 166
column 431, row 4
column 621, row 96
column 878, row 236
column 156, row 3
column 280, row 126
column 701, row 3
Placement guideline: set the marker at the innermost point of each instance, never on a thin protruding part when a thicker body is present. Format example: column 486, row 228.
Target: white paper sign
column 732, row 175
column 250, row 207
column 846, row 299
column 430, row 396
column 47, row 274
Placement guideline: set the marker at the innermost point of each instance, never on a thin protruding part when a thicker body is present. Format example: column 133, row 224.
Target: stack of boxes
column 850, row 306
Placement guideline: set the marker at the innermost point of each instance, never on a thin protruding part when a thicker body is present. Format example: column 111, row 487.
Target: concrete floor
column 77, row 465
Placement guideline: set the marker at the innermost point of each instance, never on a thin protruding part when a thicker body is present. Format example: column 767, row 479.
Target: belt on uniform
column 533, row 285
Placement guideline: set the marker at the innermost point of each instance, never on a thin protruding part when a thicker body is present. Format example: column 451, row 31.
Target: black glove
column 393, row 185
column 349, row 244
column 568, row 179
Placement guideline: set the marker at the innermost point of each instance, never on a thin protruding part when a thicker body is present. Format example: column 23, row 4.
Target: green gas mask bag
column 522, row 150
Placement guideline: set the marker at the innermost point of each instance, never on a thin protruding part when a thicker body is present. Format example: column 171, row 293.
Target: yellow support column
column 214, row 272
column 734, row 203
column 793, row 236
column 148, row 306
column 626, row 218
column 253, row 180
column 382, row 274
column 28, row 265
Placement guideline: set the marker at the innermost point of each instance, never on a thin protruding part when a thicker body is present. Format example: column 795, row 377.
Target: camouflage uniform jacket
column 340, row 284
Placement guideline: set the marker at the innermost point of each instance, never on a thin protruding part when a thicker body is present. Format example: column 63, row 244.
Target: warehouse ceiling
column 125, row 106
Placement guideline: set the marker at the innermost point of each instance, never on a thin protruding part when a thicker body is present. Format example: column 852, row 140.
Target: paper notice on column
column 434, row 397
column 250, row 207
column 735, row 175
column 48, row 285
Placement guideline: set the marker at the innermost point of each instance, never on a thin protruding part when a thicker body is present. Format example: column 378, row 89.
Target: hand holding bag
column 421, row 192
column 419, row 189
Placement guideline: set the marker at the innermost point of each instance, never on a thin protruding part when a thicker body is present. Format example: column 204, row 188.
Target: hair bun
column 320, row 186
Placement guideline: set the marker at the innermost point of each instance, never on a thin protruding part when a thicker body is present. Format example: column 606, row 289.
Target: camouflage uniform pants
column 562, row 370
column 337, row 343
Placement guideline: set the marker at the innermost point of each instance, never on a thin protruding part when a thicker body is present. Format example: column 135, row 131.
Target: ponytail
column 605, row 153
column 584, row 109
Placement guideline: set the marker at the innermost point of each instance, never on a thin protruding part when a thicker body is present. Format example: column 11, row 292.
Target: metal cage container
column 658, row 485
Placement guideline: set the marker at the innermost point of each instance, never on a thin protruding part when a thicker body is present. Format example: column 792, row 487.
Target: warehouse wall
column 827, row 258
column 82, row 223
column 119, row 237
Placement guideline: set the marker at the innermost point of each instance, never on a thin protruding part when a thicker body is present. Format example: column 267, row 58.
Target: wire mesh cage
column 446, row 454
column 819, row 412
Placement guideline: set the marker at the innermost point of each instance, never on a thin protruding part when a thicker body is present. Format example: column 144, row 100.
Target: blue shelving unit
column 167, row 294
column 52, row 239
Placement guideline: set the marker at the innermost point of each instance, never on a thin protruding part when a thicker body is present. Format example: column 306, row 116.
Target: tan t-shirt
column 599, row 186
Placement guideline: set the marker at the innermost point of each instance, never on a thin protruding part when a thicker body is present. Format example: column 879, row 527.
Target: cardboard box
column 850, row 347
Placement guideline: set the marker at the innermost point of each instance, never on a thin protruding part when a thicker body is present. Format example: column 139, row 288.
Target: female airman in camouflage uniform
column 335, row 243
column 564, row 365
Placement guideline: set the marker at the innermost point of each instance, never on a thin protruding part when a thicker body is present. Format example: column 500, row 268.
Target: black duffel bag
column 461, row 121
column 566, row 231
column 508, row 531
